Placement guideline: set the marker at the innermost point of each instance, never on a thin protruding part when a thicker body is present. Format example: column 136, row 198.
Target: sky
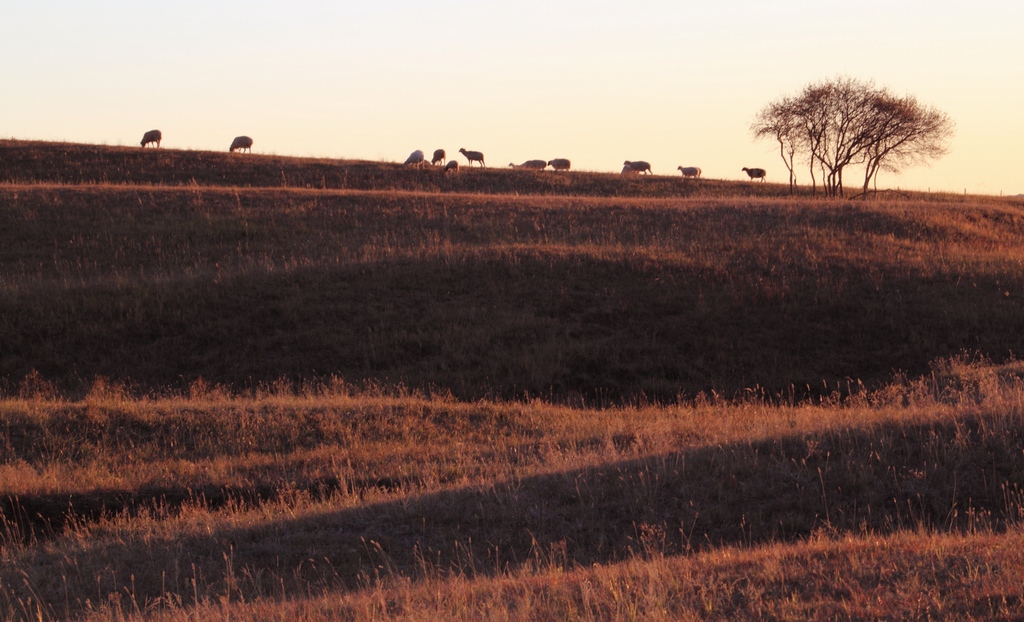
column 670, row 82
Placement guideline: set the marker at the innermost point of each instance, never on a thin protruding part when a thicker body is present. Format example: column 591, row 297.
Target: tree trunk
column 789, row 164
column 792, row 175
column 869, row 172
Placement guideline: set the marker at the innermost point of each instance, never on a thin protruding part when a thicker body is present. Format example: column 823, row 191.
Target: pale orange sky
column 597, row 82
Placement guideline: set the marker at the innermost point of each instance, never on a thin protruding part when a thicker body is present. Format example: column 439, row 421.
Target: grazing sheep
column 560, row 164
column 473, row 156
column 639, row 166
column 152, row 136
column 439, row 156
column 415, row 158
column 690, row 171
column 451, row 167
column 242, row 143
column 533, row 165
column 627, row 169
column 755, row 173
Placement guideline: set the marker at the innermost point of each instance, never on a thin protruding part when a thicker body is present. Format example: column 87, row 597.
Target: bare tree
column 778, row 120
column 839, row 110
column 843, row 121
column 808, row 109
column 822, row 121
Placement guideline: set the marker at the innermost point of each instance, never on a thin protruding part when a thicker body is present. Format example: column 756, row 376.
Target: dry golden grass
column 910, row 575
column 164, row 504
column 275, row 388
column 494, row 295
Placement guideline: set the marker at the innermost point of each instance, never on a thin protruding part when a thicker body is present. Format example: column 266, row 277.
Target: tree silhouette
column 843, row 121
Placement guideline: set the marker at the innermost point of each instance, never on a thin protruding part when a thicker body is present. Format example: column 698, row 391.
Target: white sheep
column 533, row 165
column 415, row 158
column 473, row 156
column 690, row 171
column 242, row 143
column 439, row 156
column 560, row 164
column 152, row 136
column 755, row 173
column 639, row 166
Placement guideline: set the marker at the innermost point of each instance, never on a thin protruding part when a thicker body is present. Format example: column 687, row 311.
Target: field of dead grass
column 376, row 503
column 228, row 390
column 566, row 298
column 906, row 576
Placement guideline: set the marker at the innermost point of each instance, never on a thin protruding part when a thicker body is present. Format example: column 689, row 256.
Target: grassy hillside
column 114, row 504
column 228, row 389
column 905, row 577
column 494, row 294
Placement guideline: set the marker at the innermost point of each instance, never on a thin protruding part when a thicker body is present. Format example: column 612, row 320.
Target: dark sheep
column 241, row 143
column 755, row 173
column 152, row 136
column 639, row 166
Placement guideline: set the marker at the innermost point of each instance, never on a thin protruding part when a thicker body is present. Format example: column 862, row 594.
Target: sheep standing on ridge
column 690, row 171
column 533, row 165
column 415, row 158
column 451, row 167
column 439, row 156
column 627, row 169
column 560, row 164
column 755, row 173
column 639, row 166
column 152, row 136
column 473, row 156
column 242, row 143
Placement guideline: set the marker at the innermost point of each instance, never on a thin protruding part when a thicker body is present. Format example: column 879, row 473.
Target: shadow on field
column 962, row 475
column 36, row 518
column 493, row 296
column 561, row 328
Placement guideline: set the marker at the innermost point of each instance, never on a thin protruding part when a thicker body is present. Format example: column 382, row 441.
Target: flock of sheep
column 418, row 158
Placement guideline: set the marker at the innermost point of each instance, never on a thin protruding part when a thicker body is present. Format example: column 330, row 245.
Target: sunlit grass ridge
column 328, row 488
